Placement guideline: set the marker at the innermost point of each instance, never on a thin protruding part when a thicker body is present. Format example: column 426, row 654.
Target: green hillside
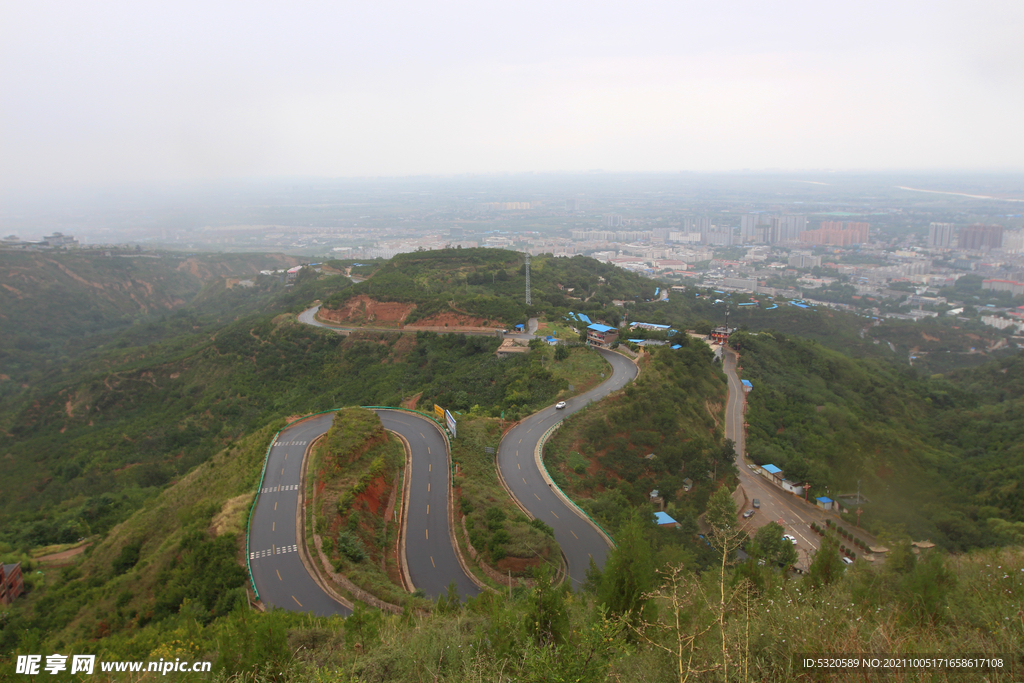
column 664, row 428
column 938, row 457
column 491, row 284
column 58, row 305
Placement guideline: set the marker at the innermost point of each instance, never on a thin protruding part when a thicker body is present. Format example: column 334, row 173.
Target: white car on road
column 559, row 405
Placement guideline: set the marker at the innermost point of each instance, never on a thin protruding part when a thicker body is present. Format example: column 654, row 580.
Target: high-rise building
column 767, row 229
column 788, row 228
column 835, row 234
column 718, row 236
column 940, row 235
column 1013, row 241
column 749, row 224
column 981, row 237
column 612, row 220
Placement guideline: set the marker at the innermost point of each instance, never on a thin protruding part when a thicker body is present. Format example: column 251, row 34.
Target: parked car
column 748, row 514
column 756, row 503
column 789, row 538
column 559, row 405
column 847, row 560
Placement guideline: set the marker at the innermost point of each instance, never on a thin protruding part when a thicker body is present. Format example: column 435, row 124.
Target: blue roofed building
column 601, row 335
column 824, row 503
column 773, row 473
column 747, row 386
column 662, row 519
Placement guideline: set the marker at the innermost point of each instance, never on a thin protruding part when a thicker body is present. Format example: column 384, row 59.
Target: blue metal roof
column 746, row 383
column 584, row 318
column 676, row 346
column 597, row 327
column 663, row 518
column 772, row 469
column 823, row 499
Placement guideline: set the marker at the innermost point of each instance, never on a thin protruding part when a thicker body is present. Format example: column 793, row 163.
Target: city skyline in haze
column 126, row 93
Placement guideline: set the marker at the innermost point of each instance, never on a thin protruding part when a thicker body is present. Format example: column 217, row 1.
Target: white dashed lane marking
column 275, row 489
column 273, row 551
column 290, row 443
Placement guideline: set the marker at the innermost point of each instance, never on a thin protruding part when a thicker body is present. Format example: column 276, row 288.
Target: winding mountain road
column 579, row 539
column 281, row 578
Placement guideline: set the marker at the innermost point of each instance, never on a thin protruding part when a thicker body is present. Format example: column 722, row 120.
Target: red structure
column 11, row 585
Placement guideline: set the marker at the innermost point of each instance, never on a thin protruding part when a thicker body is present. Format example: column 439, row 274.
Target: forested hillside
column 935, row 456
column 491, row 284
column 57, row 305
column 84, row 456
column 663, row 429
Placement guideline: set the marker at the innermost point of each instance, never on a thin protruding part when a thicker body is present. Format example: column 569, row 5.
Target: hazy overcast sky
column 108, row 92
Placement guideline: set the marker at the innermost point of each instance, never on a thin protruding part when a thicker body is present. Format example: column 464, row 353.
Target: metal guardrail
column 540, row 444
column 266, row 459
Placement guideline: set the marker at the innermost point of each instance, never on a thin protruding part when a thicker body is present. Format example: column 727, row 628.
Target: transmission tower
column 529, row 302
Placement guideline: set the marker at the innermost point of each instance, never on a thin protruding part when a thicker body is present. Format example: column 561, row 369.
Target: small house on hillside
column 662, row 519
column 509, row 347
column 824, row 503
column 602, row 335
column 11, row 584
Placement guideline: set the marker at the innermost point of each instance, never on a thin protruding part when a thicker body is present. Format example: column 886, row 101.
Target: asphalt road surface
column 428, row 545
column 281, row 578
column 578, row 539
column 776, row 505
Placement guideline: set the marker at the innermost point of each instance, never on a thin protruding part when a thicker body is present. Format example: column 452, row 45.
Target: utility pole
column 529, row 302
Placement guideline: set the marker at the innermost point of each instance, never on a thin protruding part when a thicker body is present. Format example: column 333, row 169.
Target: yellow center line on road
column 275, row 505
column 427, row 533
column 428, row 508
column 524, row 481
column 421, row 436
column 279, row 575
column 429, row 466
column 520, row 441
column 428, row 450
column 282, row 471
column 536, row 496
column 432, row 562
column 428, row 486
column 285, row 456
column 519, row 466
column 273, row 526
column 296, row 601
column 574, row 534
column 553, row 512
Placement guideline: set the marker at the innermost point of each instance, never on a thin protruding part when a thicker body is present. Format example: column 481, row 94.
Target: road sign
column 488, row 449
